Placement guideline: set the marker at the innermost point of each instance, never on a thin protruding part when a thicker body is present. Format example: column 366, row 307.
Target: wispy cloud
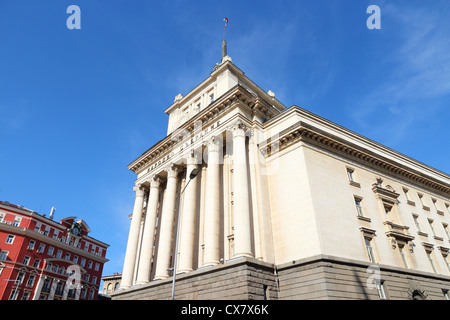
column 420, row 76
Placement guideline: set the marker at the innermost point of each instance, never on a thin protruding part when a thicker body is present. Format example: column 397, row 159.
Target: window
column 59, row 254
column 38, row 227
column 75, row 259
column 97, row 266
column 14, row 294
column 20, row 278
column 36, row 263
column 350, row 175
column 67, row 256
column 50, row 251
column 41, row 248
column 445, row 293
column 445, row 256
column 424, row 206
column 55, row 234
column 211, row 98
column 416, row 221
column 83, row 262
column 90, row 264
column 3, row 255
column 359, row 208
column 94, row 280
column 430, row 258
column 31, row 245
column 2, row 216
column 31, row 280
column 408, row 199
column 369, row 249
column 381, row 290
column 26, row 260
column 9, row 239
column 403, row 255
column 26, row 296
column 432, row 227
column 16, row 221
column 446, row 230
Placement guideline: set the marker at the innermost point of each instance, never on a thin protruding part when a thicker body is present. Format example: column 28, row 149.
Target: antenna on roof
column 52, row 212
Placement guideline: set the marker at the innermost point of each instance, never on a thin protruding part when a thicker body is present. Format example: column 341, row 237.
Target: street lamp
column 192, row 175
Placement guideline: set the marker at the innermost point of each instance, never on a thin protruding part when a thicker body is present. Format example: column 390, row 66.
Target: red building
column 41, row 259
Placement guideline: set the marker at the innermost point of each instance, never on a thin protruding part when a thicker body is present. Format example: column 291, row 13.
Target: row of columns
column 212, row 209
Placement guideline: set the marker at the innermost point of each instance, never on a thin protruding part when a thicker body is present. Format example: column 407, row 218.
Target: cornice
column 238, row 96
column 305, row 132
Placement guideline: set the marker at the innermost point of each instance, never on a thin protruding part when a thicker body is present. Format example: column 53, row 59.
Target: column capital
column 172, row 170
column 214, row 143
column 238, row 128
column 193, row 158
column 139, row 189
column 155, row 181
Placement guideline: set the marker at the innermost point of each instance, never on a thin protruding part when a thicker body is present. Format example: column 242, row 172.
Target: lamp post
column 192, row 175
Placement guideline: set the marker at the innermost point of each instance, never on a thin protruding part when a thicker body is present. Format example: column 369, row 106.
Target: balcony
column 397, row 232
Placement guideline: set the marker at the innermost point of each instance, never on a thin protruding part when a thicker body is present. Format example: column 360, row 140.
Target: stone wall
column 319, row 277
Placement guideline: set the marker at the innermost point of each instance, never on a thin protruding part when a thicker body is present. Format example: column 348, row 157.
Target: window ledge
column 355, row 184
column 364, row 218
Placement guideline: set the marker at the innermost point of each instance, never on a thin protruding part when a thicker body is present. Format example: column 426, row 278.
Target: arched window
column 417, row 295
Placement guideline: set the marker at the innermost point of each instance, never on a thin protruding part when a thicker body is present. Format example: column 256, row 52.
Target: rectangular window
column 430, row 258
column 36, row 263
column 20, row 278
column 381, row 290
column 432, row 227
column 59, row 254
column 403, row 256
column 350, row 176
column 41, row 248
column 359, row 208
column 10, row 239
column 26, row 296
column 31, row 245
column 14, row 294
column 416, row 221
column 445, row 293
column 31, row 279
column 50, row 251
column 26, row 260
column 446, row 230
column 447, row 262
column 369, row 249
column 16, row 221
column 3, row 255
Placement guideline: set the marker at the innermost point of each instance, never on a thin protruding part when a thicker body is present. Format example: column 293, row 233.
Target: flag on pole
column 226, row 22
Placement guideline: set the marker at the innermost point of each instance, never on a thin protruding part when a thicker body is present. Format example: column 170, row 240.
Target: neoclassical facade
column 285, row 205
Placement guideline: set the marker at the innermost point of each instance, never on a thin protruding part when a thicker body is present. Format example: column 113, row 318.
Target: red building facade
column 41, row 259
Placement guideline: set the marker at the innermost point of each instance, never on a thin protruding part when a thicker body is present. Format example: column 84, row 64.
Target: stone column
column 186, row 241
column 212, row 204
column 149, row 232
column 166, row 229
column 133, row 238
column 241, row 214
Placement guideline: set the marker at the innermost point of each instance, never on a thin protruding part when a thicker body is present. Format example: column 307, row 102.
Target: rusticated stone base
column 319, row 277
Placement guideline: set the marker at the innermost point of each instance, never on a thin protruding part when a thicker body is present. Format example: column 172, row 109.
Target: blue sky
column 77, row 106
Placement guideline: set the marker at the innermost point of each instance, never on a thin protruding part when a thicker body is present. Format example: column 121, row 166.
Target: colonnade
column 141, row 241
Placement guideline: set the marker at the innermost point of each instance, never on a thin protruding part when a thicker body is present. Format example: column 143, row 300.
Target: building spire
column 224, row 43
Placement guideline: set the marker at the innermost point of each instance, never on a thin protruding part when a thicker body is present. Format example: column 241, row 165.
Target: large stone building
column 286, row 205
